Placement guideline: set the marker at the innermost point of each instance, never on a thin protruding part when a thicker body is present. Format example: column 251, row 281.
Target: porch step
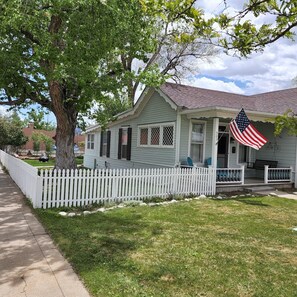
column 260, row 189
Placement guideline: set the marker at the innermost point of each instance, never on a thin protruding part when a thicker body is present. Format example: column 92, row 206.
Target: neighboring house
column 172, row 122
column 29, row 130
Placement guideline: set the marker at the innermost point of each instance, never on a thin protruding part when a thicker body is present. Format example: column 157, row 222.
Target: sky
column 271, row 70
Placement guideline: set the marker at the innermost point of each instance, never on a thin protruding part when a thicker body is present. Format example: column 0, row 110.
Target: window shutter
column 129, row 144
column 108, row 144
column 120, row 144
column 101, row 144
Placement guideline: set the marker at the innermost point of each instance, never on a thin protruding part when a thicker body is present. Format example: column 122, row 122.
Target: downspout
column 177, row 138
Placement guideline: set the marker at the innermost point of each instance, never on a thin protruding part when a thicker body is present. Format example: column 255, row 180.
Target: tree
column 37, row 118
column 245, row 36
column 11, row 133
column 39, row 138
column 286, row 121
column 54, row 54
column 170, row 50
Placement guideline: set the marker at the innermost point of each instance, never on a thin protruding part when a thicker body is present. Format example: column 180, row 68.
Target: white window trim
column 204, row 139
column 156, row 125
column 89, row 142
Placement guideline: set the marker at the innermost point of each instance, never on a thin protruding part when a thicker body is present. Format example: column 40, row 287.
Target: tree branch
column 30, row 36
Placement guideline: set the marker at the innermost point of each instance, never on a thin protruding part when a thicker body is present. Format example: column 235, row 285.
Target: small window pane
column 90, row 141
column 197, row 133
column 155, row 136
column 144, row 136
column 124, row 137
column 197, row 153
column 168, row 135
column 124, row 143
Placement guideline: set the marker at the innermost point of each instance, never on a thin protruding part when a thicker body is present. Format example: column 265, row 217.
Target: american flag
column 245, row 133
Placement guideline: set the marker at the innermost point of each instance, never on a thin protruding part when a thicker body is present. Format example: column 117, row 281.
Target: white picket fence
column 56, row 188
column 24, row 175
column 82, row 187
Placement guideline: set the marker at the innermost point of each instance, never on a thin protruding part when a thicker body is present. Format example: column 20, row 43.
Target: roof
column 92, row 128
column 188, row 97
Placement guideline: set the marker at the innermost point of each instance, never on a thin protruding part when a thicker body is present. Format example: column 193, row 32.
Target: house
column 29, row 130
column 170, row 123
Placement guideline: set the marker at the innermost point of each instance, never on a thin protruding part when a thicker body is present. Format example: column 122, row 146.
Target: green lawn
column 241, row 247
column 51, row 162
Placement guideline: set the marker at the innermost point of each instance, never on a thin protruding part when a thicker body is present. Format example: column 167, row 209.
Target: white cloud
column 208, row 83
column 271, row 70
column 3, row 111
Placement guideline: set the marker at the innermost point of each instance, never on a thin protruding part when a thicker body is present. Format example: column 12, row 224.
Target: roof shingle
column 189, row 97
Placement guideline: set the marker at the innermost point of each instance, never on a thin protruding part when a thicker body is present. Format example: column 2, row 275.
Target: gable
column 152, row 107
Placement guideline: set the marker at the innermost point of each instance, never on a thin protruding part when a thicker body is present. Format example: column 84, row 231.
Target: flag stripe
column 238, row 136
column 260, row 136
column 252, row 136
column 245, row 133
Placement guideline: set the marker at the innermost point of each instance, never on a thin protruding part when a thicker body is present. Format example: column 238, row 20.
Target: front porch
column 237, row 179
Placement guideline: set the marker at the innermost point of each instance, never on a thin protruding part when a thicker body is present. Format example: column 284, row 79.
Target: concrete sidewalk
column 30, row 264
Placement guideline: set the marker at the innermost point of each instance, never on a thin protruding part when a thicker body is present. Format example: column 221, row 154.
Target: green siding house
column 173, row 122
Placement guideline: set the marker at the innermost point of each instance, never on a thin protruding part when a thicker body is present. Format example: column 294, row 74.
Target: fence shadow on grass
column 251, row 201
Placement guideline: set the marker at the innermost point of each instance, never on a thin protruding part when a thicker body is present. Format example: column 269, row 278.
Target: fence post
column 37, row 199
column 242, row 174
column 291, row 174
column 114, row 180
column 266, row 174
column 176, row 173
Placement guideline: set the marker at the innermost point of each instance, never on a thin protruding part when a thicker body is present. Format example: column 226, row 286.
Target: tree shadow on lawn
column 105, row 241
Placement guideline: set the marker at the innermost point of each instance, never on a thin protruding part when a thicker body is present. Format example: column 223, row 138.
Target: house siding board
column 157, row 110
column 285, row 150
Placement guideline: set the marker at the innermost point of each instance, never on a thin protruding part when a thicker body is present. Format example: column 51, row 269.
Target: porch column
column 177, row 138
column 214, row 149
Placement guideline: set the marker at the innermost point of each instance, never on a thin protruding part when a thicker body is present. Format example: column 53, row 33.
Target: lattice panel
column 143, row 136
column 168, row 135
column 155, row 136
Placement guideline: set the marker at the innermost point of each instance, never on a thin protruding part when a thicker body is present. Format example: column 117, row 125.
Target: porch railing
column 277, row 174
column 230, row 175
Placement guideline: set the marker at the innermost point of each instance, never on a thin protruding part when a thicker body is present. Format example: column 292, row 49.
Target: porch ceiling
column 216, row 112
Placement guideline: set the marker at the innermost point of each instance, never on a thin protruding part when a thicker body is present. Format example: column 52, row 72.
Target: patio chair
column 208, row 162
column 190, row 162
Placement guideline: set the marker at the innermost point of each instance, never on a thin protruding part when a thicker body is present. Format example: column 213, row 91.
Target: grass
column 241, row 247
column 51, row 162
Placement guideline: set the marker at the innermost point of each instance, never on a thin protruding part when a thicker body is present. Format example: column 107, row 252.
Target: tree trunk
column 65, row 158
column 66, row 116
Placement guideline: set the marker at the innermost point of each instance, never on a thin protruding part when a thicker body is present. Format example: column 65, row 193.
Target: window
column 124, row 145
column 105, row 144
column 124, row 142
column 197, row 142
column 143, row 136
column 156, row 135
column 168, row 135
column 90, row 141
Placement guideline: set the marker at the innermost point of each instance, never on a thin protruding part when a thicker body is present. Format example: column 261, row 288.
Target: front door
column 223, row 150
